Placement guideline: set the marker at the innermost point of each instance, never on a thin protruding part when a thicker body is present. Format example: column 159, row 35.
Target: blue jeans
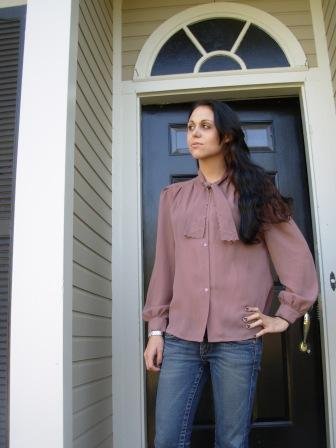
column 186, row 366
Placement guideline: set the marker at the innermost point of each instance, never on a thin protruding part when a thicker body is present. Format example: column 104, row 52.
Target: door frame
column 313, row 88
column 319, row 132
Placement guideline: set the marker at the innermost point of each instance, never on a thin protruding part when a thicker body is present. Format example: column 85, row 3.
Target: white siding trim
column 128, row 380
column 40, row 353
column 320, row 98
column 272, row 26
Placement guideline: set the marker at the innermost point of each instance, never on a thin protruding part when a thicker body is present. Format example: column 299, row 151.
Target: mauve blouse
column 204, row 276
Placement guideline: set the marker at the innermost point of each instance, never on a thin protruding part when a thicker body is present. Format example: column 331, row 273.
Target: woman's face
column 202, row 135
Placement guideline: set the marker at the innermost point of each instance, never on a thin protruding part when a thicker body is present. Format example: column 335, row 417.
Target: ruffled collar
column 196, row 214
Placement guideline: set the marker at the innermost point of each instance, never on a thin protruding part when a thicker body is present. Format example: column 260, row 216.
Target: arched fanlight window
column 218, row 44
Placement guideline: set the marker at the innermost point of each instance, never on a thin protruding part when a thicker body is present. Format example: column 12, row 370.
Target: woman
column 210, row 291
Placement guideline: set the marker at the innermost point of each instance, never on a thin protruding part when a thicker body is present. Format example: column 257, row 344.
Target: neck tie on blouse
column 197, row 212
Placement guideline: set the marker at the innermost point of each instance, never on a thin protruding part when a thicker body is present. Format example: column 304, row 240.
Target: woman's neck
column 212, row 170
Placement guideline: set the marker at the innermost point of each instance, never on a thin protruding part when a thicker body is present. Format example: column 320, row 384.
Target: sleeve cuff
column 157, row 323
column 288, row 313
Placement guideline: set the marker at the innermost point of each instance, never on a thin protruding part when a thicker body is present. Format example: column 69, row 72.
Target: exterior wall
column 329, row 11
column 140, row 19
column 92, row 304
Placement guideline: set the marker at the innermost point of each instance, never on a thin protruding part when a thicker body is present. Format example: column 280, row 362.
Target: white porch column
column 41, row 333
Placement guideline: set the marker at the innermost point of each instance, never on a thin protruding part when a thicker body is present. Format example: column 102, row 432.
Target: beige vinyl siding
column 329, row 11
column 92, row 305
column 140, row 19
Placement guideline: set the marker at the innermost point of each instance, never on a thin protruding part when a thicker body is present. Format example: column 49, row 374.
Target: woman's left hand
column 256, row 318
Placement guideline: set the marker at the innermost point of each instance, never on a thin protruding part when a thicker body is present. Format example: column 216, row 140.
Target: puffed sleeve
column 160, row 289
column 295, row 267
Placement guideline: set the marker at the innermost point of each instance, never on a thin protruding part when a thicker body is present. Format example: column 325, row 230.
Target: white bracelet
column 155, row 333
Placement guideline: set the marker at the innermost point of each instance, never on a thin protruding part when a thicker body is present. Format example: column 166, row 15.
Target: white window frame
column 313, row 87
column 271, row 25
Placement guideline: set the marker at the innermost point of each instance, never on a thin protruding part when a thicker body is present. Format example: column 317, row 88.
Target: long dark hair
column 260, row 203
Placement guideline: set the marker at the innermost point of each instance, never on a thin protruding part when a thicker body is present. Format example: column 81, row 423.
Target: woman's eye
column 190, row 127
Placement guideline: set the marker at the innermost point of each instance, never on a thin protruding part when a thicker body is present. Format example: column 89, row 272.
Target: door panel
column 289, row 407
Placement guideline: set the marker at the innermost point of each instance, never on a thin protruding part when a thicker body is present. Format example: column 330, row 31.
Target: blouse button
column 206, row 289
column 205, row 244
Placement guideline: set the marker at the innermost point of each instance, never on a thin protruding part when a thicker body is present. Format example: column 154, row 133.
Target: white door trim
column 313, row 87
column 320, row 132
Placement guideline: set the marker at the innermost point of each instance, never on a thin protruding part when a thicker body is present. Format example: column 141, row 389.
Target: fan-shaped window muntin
column 218, row 44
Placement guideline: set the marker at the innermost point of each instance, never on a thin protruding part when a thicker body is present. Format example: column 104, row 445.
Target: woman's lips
column 196, row 144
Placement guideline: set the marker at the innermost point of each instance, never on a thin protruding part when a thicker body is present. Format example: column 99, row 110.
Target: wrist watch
column 155, row 333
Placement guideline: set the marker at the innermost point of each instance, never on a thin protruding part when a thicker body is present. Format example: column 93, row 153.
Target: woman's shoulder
column 176, row 187
column 174, row 193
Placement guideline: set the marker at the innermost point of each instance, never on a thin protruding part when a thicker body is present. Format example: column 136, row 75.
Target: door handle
column 304, row 346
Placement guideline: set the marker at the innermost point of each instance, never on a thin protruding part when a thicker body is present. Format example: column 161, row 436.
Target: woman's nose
column 196, row 131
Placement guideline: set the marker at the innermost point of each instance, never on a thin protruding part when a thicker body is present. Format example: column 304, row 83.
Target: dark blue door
column 289, row 409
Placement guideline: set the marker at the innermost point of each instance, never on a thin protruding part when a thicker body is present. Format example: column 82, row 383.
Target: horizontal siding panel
column 84, row 279
column 303, row 32
column 292, row 19
column 275, row 6
column 85, row 107
column 103, row 17
column 96, row 437
column 89, row 417
column 329, row 10
column 332, row 45
column 92, row 139
column 312, row 60
column 92, row 292
column 133, row 43
column 101, row 186
column 91, row 261
column 160, row 14
column 130, row 4
column 127, row 72
column 330, row 28
column 85, row 325
column 88, row 63
column 308, row 46
column 96, row 157
column 91, row 71
column 103, row 41
column 92, row 240
column 91, row 197
column 130, row 58
column 137, row 11
column 86, row 72
column 91, row 370
column 91, row 218
column 86, row 348
column 104, row 115
column 140, row 29
column 88, row 394
column 106, row 444
column 98, row 53
column 85, row 302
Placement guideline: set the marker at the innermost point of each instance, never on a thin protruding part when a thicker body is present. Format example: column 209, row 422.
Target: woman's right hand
column 153, row 353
